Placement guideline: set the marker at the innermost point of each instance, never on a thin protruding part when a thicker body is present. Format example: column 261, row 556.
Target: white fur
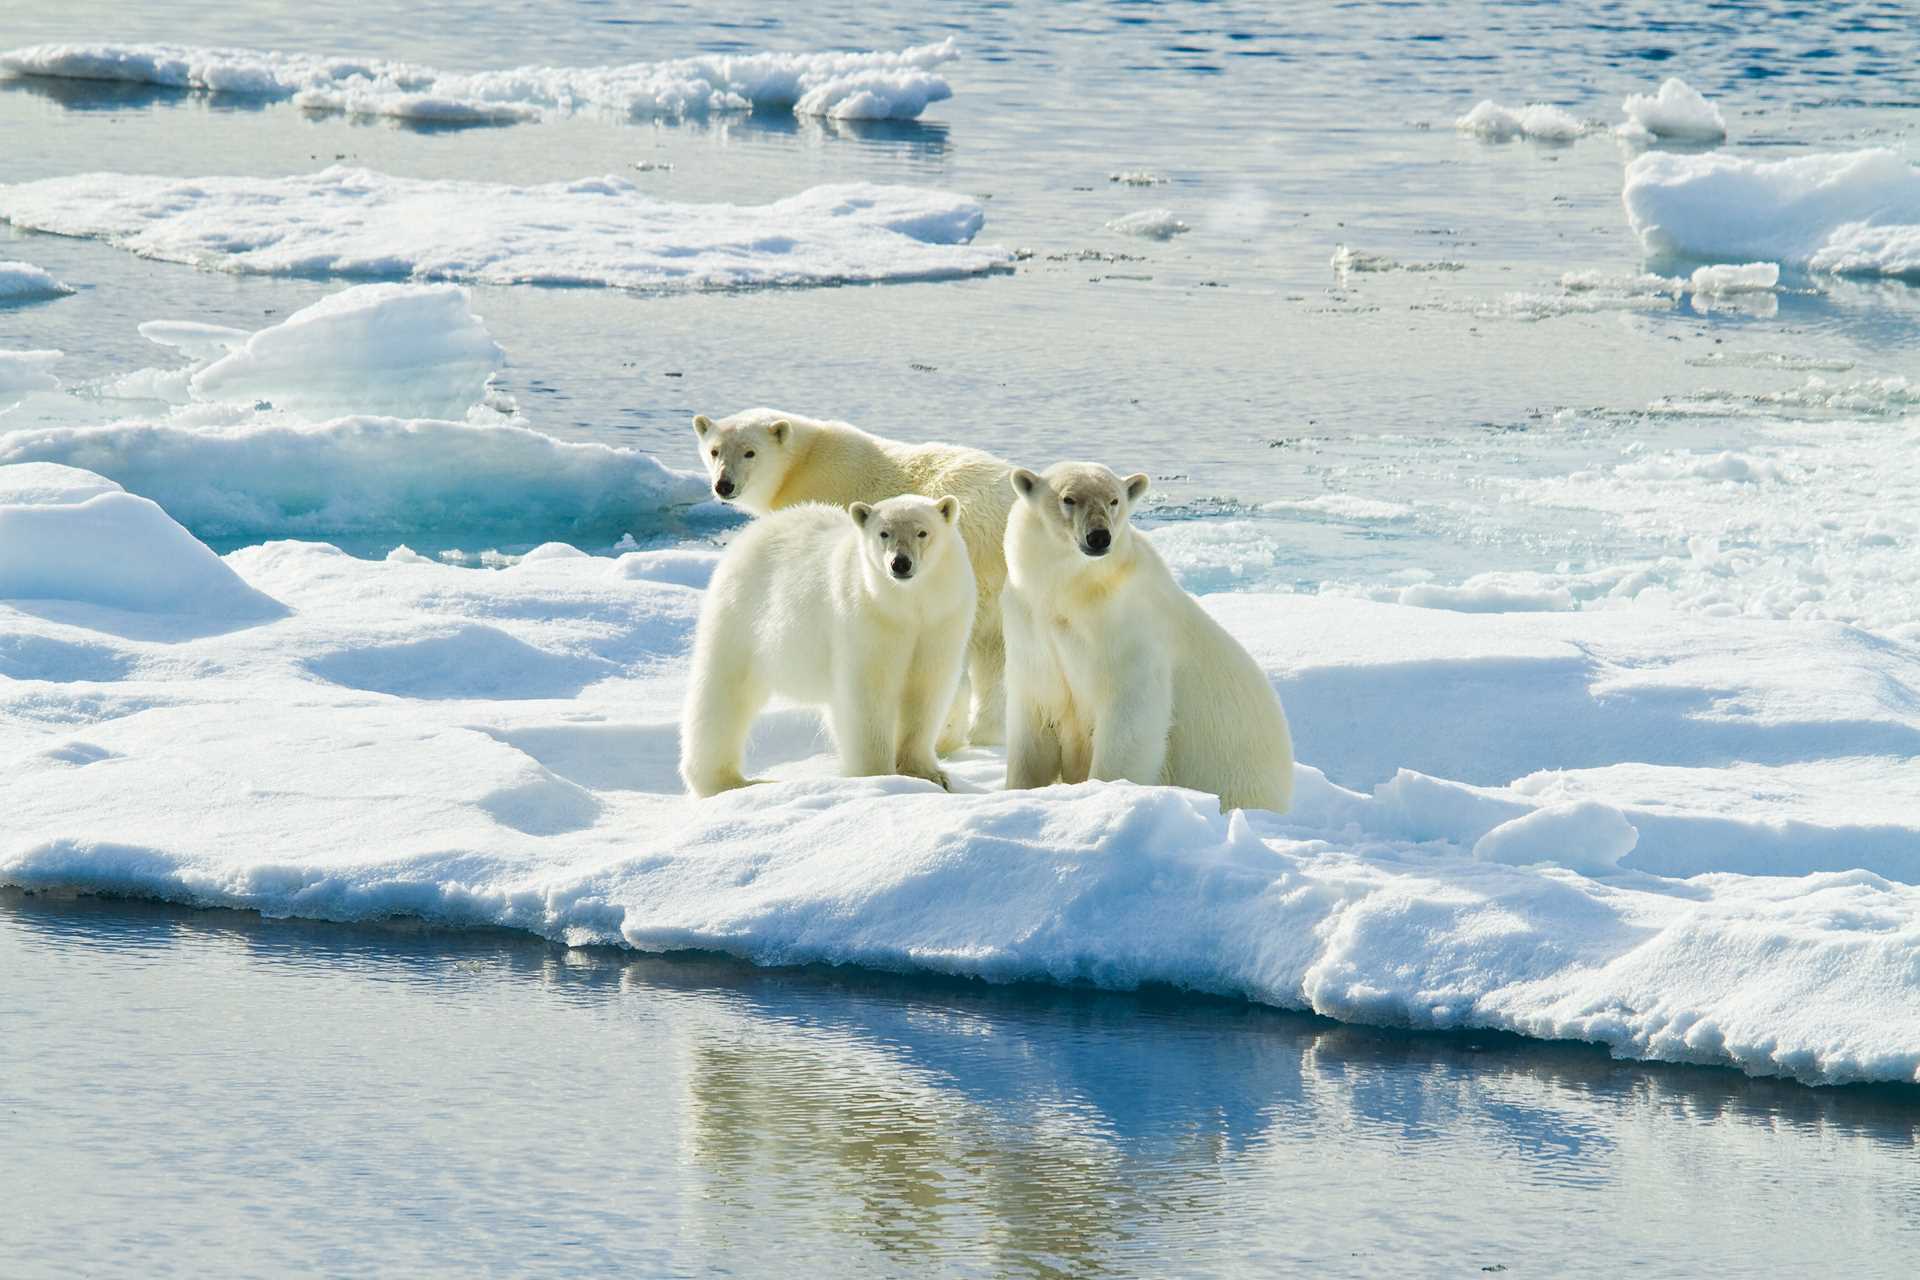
column 804, row 605
column 1115, row 672
column 796, row 459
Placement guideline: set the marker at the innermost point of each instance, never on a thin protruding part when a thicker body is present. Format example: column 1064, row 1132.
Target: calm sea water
column 226, row 1095
column 207, row 1093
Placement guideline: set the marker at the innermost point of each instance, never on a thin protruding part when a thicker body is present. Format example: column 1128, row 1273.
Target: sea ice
column 1540, row 121
column 895, row 85
column 595, row 231
column 1677, row 112
column 1855, row 212
column 1149, row 224
column 1685, row 838
column 22, row 281
column 24, row 372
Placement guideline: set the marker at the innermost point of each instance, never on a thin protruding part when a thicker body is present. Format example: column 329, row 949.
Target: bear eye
column 923, row 533
column 713, row 453
column 1112, row 502
column 749, row 453
column 1066, row 502
column 884, row 535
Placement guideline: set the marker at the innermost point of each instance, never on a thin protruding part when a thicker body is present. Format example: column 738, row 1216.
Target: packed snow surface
column 21, row 281
column 1537, row 120
column 595, row 231
column 1676, row 111
column 1855, row 212
column 893, row 85
column 1683, row 837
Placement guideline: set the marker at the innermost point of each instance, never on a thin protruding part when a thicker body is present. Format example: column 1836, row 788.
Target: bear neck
column 1044, row 562
column 838, row 464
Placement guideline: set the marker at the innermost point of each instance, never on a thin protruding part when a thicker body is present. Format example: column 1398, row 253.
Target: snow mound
column 1677, row 111
column 390, row 349
column 373, row 475
column 1539, row 121
column 1584, row 836
column 21, row 281
column 1149, row 224
column 896, row 85
column 68, row 535
column 596, row 231
column 1855, row 212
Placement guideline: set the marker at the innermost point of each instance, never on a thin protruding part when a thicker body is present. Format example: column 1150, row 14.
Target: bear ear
column 780, row 430
column 860, row 511
column 1136, row 486
column 701, row 425
column 1025, row 482
column 948, row 507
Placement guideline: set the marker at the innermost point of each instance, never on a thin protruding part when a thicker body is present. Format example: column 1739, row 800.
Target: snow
column 896, row 85
column 1855, row 212
column 24, row 372
column 22, row 281
column 1539, row 121
column 1149, row 224
column 595, row 231
column 1684, row 837
column 1677, row 112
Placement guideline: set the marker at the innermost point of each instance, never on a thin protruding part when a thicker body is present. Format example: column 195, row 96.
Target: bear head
column 745, row 460
column 904, row 537
column 1082, row 503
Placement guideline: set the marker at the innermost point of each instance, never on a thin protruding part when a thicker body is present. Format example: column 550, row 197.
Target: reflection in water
column 120, row 95
column 691, row 1114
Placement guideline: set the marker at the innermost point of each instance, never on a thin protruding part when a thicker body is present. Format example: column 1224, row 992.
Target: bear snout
column 902, row 567
column 723, row 487
column 1098, row 541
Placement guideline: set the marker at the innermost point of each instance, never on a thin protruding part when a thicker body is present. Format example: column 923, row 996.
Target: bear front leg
column 953, row 734
column 927, row 701
column 865, row 711
column 1130, row 732
column 987, row 674
column 722, row 700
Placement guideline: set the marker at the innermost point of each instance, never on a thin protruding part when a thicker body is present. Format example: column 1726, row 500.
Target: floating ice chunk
column 1677, row 111
column 1584, row 836
column 201, row 341
column 412, row 351
column 24, row 372
column 897, row 84
column 1539, row 121
column 1750, row 278
column 1137, row 178
column 366, row 475
column 1853, row 212
column 66, row 534
column 1491, row 593
column 1150, row 224
column 21, row 281
column 600, row 231
column 1613, row 282
column 1343, row 506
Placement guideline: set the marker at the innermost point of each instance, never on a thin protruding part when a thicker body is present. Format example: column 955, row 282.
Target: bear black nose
column 902, row 566
column 1099, row 539
column 723, row 487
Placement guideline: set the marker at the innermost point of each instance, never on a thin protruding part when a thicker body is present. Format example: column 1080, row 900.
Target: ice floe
column 1684, row 838
column 1149, row 224
column 1676, row 111
column 895, row 85
column 1538, row 120
column 22, row 281
column 25, row 372
column 595, row 231
column 1855, row 212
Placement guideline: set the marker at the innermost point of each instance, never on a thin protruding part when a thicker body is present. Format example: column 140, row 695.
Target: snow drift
column 1855, row 212
column 1685, row 838
column 895, row 85
column 596, row 231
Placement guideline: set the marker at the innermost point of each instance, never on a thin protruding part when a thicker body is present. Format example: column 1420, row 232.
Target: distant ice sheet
column 1683, row 838
column 1854, row 212
column 595, row 231
column 892, row 85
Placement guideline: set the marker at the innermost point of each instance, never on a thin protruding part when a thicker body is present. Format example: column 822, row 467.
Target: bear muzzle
column 901, row 567
column 723, row 488
column 1097, row 542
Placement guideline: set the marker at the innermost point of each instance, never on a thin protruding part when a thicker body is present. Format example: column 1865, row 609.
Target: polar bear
column 865, row 610
column 1113, row 671
column 764, row 460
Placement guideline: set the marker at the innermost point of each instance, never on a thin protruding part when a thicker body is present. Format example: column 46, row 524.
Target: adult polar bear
column 1115, row 672
column 764, row 460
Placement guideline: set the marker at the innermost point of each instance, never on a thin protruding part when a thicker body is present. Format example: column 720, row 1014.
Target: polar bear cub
column 1115, row 672
column 764, row 460
column 864, row 610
